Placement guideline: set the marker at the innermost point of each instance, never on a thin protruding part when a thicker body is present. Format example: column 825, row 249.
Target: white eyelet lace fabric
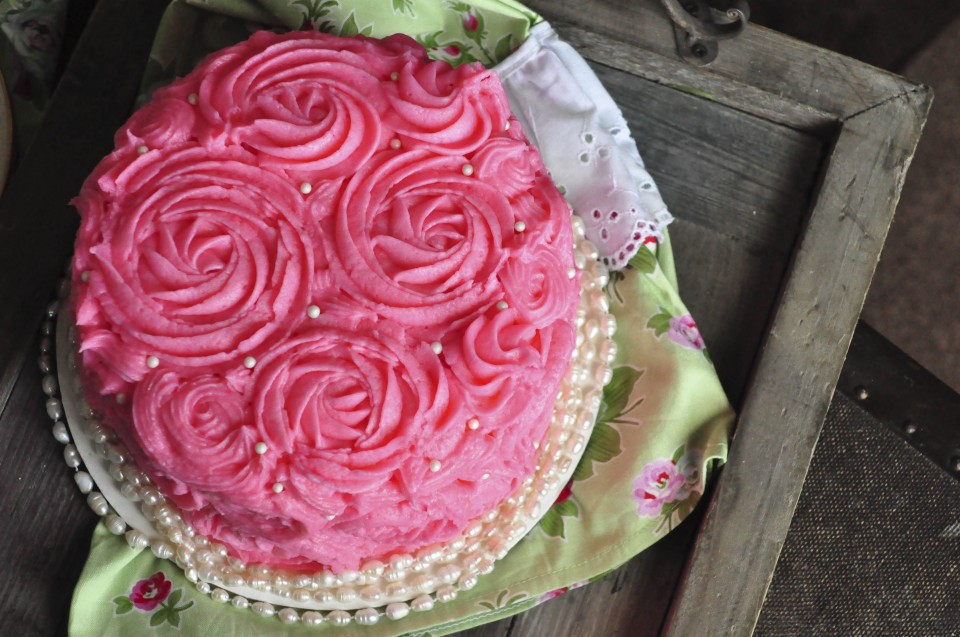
column 585, row 144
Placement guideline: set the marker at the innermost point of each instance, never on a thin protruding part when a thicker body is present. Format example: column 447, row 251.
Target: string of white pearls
column 55, row 410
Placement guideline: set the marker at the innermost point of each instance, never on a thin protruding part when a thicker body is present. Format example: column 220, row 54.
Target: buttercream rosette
column 325, row 294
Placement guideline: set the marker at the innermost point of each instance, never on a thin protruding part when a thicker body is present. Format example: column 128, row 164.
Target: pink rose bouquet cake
column 338, row 341
column 325, row 294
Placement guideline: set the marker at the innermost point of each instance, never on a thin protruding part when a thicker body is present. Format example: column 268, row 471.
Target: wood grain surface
column 783, row 164
column 737, row 549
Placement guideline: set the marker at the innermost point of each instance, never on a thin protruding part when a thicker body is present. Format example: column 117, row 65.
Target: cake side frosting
column 325, row 294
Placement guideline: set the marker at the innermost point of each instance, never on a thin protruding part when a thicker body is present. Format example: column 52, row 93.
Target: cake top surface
column 325, row 294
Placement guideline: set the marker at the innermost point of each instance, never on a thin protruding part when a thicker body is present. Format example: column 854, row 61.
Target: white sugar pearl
column 142, row 149
column 329, row 517
column 507, row 125
column 422, row 603
column 520, row 226
column 289, row 616
column 313, row 311
column 338, row 617
column 277, row 487
column 397, row 610
column 446, row 593
column 394, row 76
column 249, row 362
column 435, row 465
column 366, row 617
column 306, row 188
column 84, row 276
column 121, row 398
column 485, row 476
column 71, row 456
column 98, row 503
column 467, row 169
column 153, row 362
column 264, row 609
column 502, row 305
column 84, row 481
column 473, row 423
column 260, row 448
column 395, row 144
column 137, row 540
column 115, row 524
column 192, row 98
column 60, row 433
column 312, row 618
column 572, row 272
column 436, row 347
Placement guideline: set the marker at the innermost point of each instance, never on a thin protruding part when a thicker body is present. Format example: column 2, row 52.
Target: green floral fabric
column 481, row 30
column 663, row 425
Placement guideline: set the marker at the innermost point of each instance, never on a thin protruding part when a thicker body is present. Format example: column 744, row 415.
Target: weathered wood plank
column 765, row 60
column 740, row 187
column 733, row 173
column 46, row 522
column 37, row 225
column 733, row 305
column 671, row 71
column 737, row 549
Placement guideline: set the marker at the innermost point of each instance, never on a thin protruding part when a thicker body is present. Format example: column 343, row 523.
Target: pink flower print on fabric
column 156, row 597
column 659, row 483
column 148, row 593
column 684, row 332
column 470, row 22
column 560, row 591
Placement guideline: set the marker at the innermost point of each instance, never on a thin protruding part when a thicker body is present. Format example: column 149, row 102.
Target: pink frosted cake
column 325, row 294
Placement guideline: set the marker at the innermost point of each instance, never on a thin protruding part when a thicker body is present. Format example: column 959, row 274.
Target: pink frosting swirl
column 197, row 435
column 513, row 165
column 419, row 240
column 500, row 356
column 537, row 284
column 303, row 102
column 203, row 260
column 344, row 413
column 168, row 120
column 445, row 110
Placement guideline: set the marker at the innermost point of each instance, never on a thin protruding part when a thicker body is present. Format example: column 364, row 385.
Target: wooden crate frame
column 874, row 120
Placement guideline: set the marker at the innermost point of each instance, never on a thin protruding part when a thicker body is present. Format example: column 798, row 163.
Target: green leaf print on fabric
column 404, row 6
column 604, row 443
column 617, row 393
column 315, row 10
column 553, row 523
column 351, row 28
column 503, row 600
column 644, row 261
column 123, row 605
column 660, row 322
column 504, row 47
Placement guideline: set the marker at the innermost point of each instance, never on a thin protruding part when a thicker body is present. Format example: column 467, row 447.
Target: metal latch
column 699, row 27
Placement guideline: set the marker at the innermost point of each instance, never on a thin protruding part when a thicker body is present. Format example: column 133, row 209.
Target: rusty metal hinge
column 699, row 27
